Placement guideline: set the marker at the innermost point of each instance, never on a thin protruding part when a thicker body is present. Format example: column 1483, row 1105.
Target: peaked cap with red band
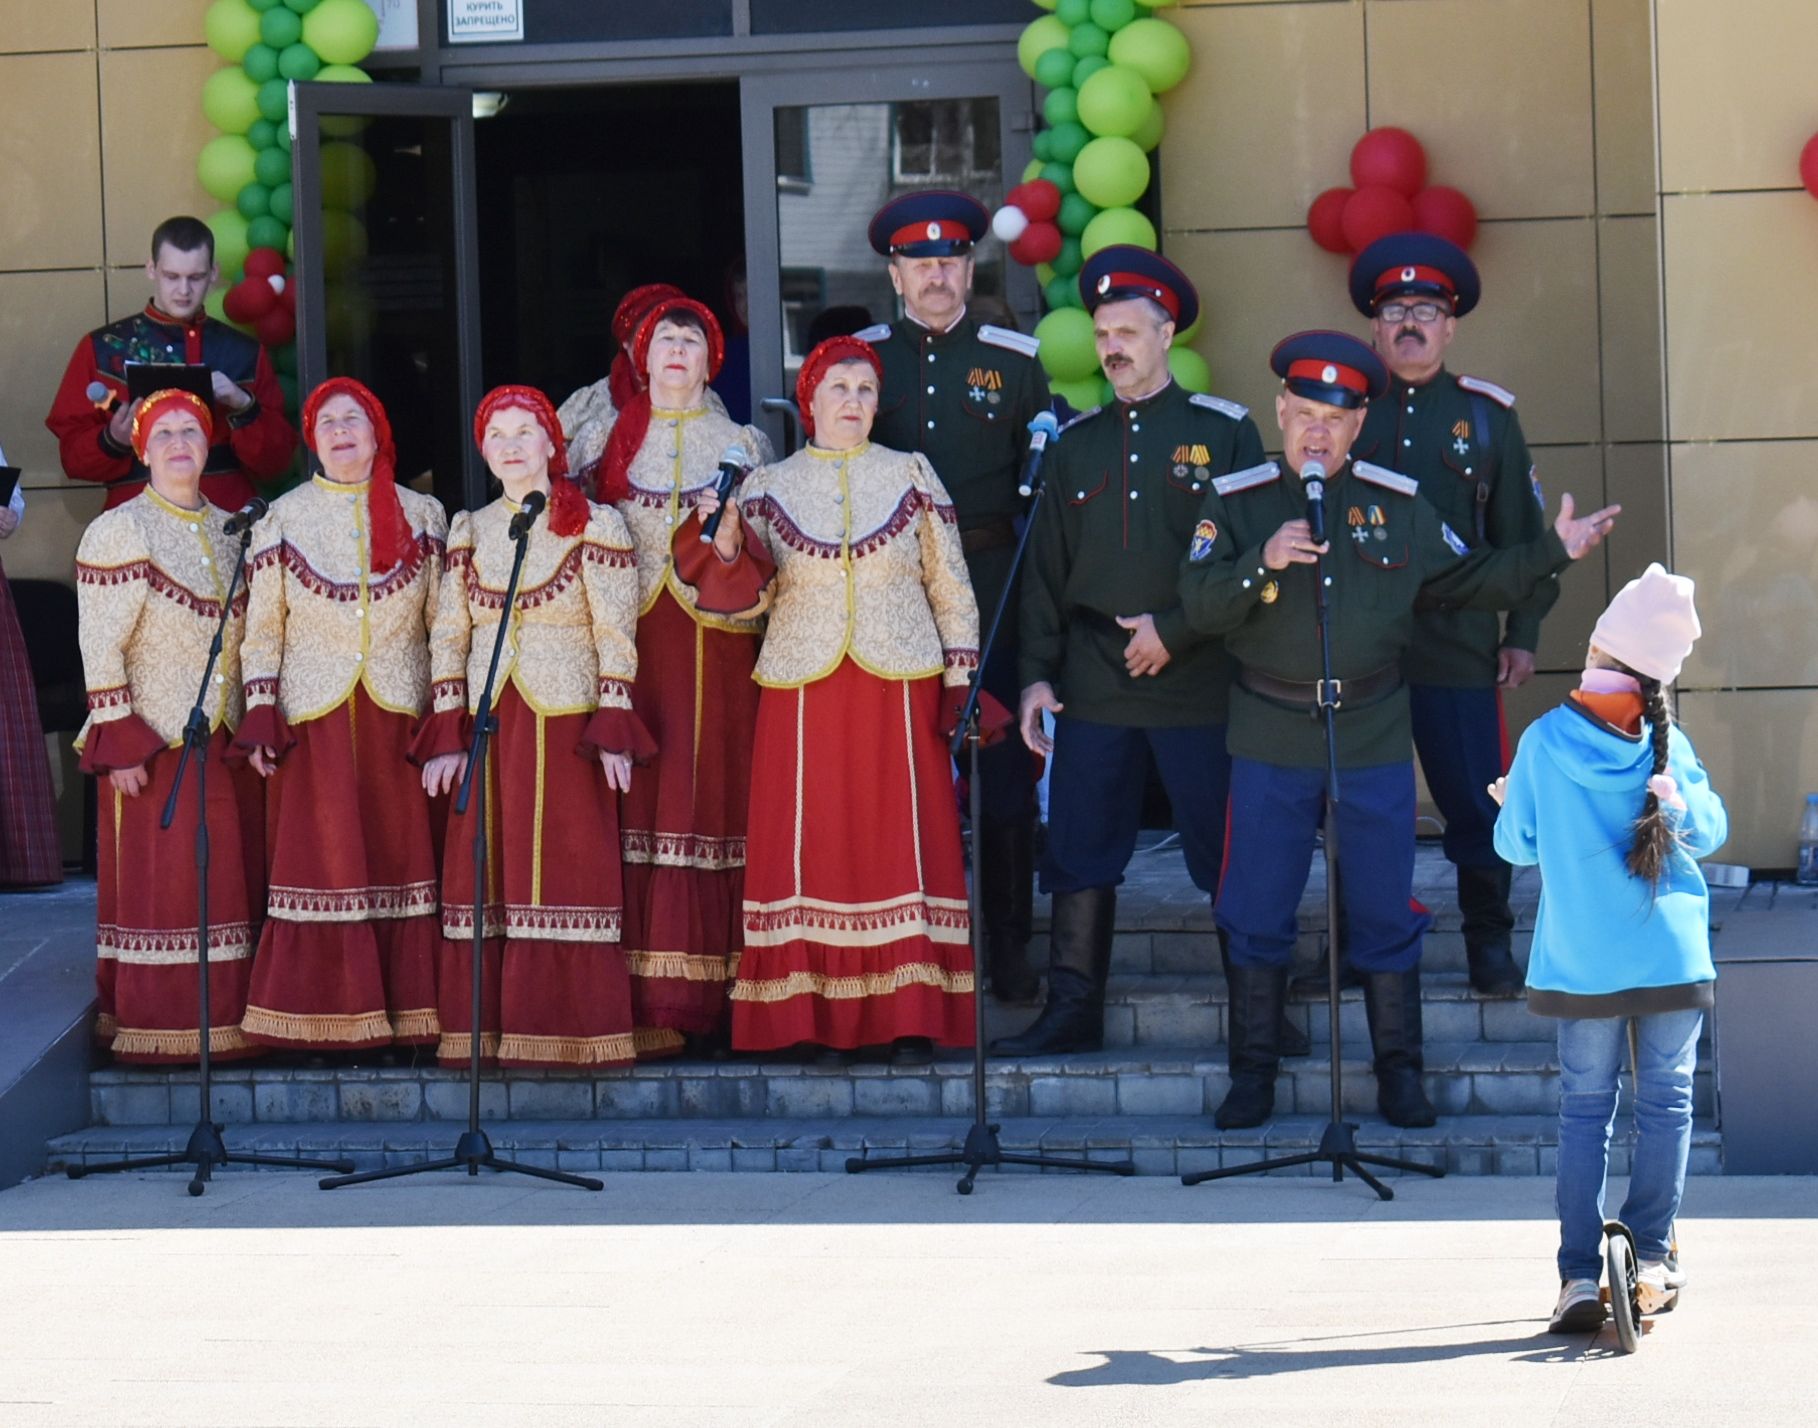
column 931, row 223
column 830, row 353
column 171, row 399
column 567, row 505
column 1123, row 271
column 392, row 537
column 1330, row 367
column 1417, row 265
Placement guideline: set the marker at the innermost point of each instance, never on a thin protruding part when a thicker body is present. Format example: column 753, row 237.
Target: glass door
column 387, row 256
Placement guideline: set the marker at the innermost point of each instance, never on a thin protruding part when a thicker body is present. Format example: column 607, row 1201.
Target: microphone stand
column 982, row 1147
column 1338, row 1144
column 205, row 1149
column 474, row 1149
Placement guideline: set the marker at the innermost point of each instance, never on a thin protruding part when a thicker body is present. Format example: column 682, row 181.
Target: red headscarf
column 567, row 506
column 633, row 421
column 830, row 353
column 392, row 537
column 625, row 376
column 171, row 399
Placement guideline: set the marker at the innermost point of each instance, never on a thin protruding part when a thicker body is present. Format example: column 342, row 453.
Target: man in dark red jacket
column 92, row 418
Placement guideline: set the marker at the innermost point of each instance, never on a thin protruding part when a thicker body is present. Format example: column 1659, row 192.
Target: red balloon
column 276, row 328
column 1447, row 212
column 1375, row 212
column 288, row 298
column 249, row 300
column 1039, row 199
column 1326, row 220
column 264, row 263
column 1808, row 165
column 1040, row 243
column 1392, row 158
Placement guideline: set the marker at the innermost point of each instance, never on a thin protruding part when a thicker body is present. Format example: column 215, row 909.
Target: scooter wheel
column 1621, row 1275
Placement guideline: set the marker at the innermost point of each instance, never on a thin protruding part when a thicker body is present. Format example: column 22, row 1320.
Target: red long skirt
column 557, row 992
column 855, row 891
column 145, row 923
column 28, row 826
column 683, row 835
column 348, row 955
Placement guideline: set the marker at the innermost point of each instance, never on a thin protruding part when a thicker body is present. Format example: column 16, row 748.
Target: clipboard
column 144, row 378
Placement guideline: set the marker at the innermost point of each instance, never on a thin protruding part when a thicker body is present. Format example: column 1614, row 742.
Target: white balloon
column 277, row 282
column 1009, row 223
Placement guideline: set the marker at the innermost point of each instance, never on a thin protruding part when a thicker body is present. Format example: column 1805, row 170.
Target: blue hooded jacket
column 1605, row 942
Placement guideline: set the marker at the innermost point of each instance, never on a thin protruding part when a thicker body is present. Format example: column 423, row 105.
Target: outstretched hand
column 1583, row 534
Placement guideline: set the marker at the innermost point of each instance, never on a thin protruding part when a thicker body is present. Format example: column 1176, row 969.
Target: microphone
column 247, row 516
column 103, row 396
column 1045, row 425
column 527, row 516
column 735, row 461
column 1313, row 478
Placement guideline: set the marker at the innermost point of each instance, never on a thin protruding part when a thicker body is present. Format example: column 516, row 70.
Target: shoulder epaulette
column 1077, row 418
column 1382, row 476
column 1004, row 337
column 877, row 332
column 1245, row 479
column 1237, row 411
column 1502, row 396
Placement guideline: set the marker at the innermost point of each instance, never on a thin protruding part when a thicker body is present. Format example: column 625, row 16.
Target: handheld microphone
column 1045, row 425
column 527, row 516
column 1313, row 479
column 247, row 516
column 735, row 461
column 104, row 397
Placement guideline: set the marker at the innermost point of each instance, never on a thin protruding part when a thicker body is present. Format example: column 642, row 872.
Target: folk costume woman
column 683, row 833
column 563, row 753
column 336, row 661
column 855, row 894
column 150, row 578
column 587, row 415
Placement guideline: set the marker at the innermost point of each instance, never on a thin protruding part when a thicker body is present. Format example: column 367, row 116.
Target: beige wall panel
column 1521, row 707
column 44, row 547
column 1741, row 307
column 42, row 315
column 1736, row 95
column 1536, row 329
column 128, row 290
column 1582, row 589
column 130, row 24
column 1762, row 754
column 1635, row 478
column 1634, row 386
column 50, row 145
column 1622, row 77
column 151, row 168
column 1745, row 527
column 1499, row 92
column 27, row 25
column 1268, row 115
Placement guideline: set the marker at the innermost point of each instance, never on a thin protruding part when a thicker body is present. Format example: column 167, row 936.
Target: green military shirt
column 1455, row 435
column 1124, row 487
column 1389, row 549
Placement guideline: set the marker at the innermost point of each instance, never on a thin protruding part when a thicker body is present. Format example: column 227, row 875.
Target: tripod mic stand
column 474, row 1148
column 205, row 1149
column 1338, row 1144
column 982, row 1147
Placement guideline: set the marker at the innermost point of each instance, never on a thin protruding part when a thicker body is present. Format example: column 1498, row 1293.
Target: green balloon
column 1067, row 348
column 1082, row 395
column 230, row 100
column 231, row 246
column 284, row 139
column 1060, row 175
column 261, row 63
column 348, row 176
column 1060, row 291
column 1054, row 70
column 1061, row 107
column 1112, row 15
column 1075, row 214
column 1155, row 50
column 1084, row 69
column 280, row 28
column 1189, row 368
column 285, row 359
column 284, row 204
column 1042, row 146
column 1088, row 39
column 274, row 98
column 1032, row 170
column 341, row 126
column 343, row 240
column 1066, row 140
column 272, row 167
column 302, row 7
column 1148, row 134
column 1067, row 262
column 1115, row 101
column 341, row 31
column 287, row 385
column 1117, row 225
column 262, row 5
column 225, row 166
column 267, row 232
column 1073, row 12
column 1044, row 33
column 1186, row 334
column 1112, row 172
column 231, row 28
column 253, row 201
column 299, row 62
column 263, row 134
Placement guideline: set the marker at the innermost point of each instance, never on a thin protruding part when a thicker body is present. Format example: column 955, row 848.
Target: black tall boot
column 1483, row 903
column 1252, row 1044
column 1006, row 862
column 1392, row 1002
column 1291, row 1039
column 1079, row 961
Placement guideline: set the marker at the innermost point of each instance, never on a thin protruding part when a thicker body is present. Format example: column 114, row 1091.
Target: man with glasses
column 1460, row 438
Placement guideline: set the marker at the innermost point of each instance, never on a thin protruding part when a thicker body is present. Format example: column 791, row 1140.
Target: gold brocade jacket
column 587, row 417
column 321, row 622
column 150, row 578
column 680, row 458
column 868, row 564
column 572, row 643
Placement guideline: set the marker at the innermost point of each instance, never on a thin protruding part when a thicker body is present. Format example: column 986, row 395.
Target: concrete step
column 1463, row 1078
column 1145, row 945
column 1160, row 1145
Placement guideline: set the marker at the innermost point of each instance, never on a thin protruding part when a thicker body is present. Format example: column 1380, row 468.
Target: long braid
column 1654, row 835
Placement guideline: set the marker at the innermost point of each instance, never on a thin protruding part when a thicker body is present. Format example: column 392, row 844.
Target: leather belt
column 990, row 534
column 1309, row 694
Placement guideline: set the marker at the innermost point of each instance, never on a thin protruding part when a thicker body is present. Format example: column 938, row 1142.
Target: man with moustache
column 1250, row 578
column 963, row 392
column 1106, row 647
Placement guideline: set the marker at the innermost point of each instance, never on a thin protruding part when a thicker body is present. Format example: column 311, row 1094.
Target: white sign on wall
column 397, row 24
column 471, row 21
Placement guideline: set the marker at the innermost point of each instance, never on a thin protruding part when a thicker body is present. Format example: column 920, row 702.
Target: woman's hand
column 617, row 768
column 130, row 782
column 264, row 761
column 9, row 521
column 443, row 772
column 730, row 537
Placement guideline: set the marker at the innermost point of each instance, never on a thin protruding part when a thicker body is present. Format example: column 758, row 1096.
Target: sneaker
column 1579, row 1310
column 1675, row 1276
column 1652, row 1289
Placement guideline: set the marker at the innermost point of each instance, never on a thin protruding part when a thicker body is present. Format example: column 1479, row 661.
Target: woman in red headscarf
column 683, row 838
column 587, row 416
column 565, row 746
column 856, row 929
column 150, row 578
column 345, row 570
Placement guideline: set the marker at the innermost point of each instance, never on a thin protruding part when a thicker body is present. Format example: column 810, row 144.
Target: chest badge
column 985, row 384
column 1354, row 518
column 1204, row 534
column 1271, row 592
column 1379, row 523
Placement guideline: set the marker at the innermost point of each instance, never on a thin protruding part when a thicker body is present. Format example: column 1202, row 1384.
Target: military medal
column 1354, row 518
column 1378, row 523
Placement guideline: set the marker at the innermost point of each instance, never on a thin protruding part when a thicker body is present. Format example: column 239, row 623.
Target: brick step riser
column 1192, row 1020
column 1160, row 952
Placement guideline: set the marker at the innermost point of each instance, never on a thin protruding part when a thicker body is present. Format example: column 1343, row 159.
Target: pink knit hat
column 1651, row 625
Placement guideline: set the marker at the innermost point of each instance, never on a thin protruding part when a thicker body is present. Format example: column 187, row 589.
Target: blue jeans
column 1592, row 1052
